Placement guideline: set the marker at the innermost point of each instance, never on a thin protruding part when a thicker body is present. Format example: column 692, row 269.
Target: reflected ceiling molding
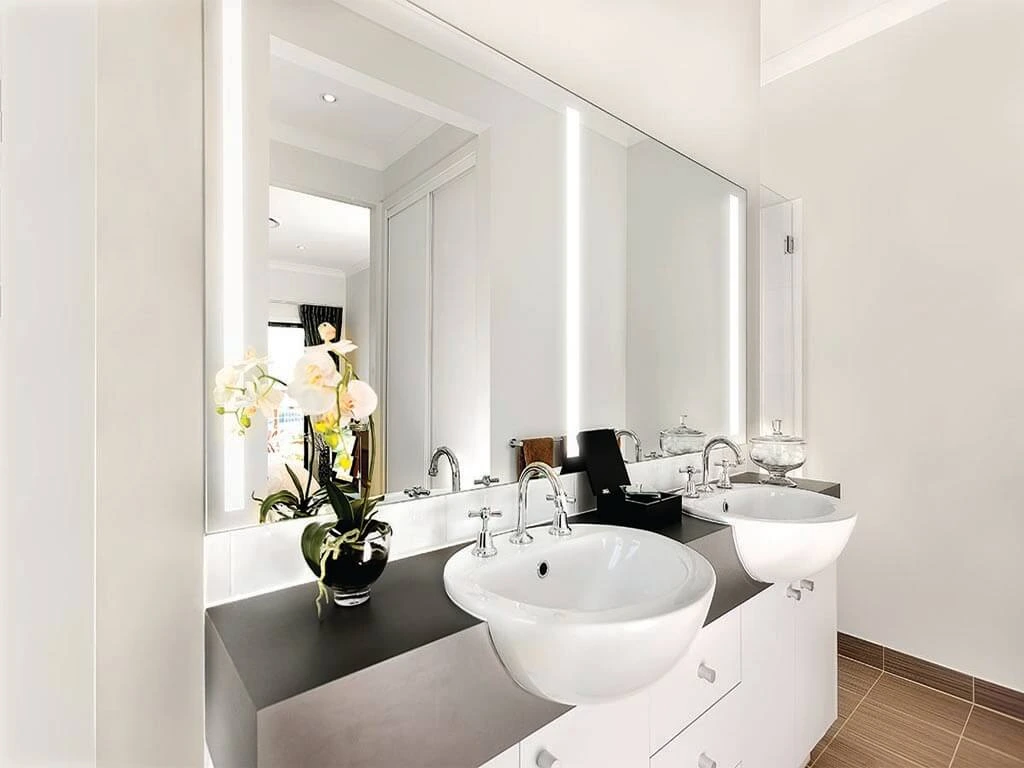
column 299, row 56
column 878, row 19
column 339, row 149
column 315, row 269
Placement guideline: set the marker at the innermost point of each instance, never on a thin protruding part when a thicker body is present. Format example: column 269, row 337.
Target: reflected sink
column 781, row 534
column 590, row 617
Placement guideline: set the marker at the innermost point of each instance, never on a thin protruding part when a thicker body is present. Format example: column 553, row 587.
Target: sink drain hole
column 542, row 569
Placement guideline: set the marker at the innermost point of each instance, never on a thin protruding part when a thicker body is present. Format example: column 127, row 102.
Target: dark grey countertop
column 279, row 648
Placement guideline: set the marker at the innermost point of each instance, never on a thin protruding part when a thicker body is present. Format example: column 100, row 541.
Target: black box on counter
column 609, row 480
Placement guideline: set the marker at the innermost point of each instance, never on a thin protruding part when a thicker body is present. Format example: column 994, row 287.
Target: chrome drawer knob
column 793, row 593
column 706, row 762
column 546, row 760
column 807, row 584
column 704, row 672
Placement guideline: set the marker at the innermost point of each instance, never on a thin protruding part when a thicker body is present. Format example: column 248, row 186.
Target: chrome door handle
column 546, row 760
column 704, row 672
column 793, row 593
column 706, row 762
column 807, row 584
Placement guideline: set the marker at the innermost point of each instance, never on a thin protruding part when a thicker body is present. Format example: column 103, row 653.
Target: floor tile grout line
column 998, row 751
column 925, row 685
column 961, row 739
column 898, row 711
column 847, row 720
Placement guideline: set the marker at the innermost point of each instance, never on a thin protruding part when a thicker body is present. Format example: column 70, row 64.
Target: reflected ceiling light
column 328, row 98
column 274, row 223
column 301, row 247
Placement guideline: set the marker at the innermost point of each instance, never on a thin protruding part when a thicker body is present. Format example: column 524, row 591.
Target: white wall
column 102, row 271
column 357, row 317
column 149, row 374
column 906, row 149
column 47, row 374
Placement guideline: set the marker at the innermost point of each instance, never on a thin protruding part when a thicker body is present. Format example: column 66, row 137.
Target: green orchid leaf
column 295, row 480
column 342, row 507
column 285, row 499
column 312, row 544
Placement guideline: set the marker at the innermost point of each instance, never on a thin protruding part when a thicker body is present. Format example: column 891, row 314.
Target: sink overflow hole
column 542, row 569
column 725, row 506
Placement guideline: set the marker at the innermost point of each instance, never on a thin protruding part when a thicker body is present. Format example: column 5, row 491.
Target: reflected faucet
column 561, row 500
column 705, row 484
column 453, row 462
column 638, row 452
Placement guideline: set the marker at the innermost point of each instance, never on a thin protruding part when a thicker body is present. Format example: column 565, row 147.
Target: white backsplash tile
column 266, row 557
column 263, row 558
column 416, row 525
column 217, row 558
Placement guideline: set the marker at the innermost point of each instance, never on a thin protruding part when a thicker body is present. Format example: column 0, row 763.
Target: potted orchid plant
column 349, row 553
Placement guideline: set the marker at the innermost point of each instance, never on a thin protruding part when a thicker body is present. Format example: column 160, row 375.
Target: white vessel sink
column 613, row 611
column 781, row 534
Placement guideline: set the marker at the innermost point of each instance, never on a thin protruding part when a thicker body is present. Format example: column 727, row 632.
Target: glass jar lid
column 683, row 429
column 777, row 436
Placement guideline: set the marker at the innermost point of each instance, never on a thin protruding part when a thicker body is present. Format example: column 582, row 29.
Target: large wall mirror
column 512, row 263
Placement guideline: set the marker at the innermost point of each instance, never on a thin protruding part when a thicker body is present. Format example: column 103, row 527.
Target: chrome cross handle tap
column 484, row 541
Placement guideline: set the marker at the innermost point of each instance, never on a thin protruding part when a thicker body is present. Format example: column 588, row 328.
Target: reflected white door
column 408, row 346
column 459, row 351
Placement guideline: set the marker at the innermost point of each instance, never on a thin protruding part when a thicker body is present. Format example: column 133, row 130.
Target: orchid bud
column 327, row 332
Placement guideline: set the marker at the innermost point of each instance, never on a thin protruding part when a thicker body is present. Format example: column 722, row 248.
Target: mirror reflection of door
column 434, row 389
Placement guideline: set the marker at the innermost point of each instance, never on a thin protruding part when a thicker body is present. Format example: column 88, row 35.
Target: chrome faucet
column 452, row 461
column 561, row 500
column 705, row 485
column 638, row 450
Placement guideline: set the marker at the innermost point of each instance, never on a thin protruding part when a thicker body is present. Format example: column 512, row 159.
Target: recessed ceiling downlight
column 274, row 223
column 329, row 98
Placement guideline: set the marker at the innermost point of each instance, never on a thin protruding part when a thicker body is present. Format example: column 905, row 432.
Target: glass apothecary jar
column 680, row 439
column 777, row 454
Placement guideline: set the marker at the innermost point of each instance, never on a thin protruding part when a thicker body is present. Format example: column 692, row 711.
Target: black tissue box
column 607, row 473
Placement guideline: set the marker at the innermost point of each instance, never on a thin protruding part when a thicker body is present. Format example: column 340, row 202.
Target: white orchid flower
column 252, row 360
column 358, row 401
column 262, row 393
column 328, row 332
column 227, row 382
column 315, row 383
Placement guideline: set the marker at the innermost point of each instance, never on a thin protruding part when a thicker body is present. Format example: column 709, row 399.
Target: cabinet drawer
column 709, row 670
column 710, row 742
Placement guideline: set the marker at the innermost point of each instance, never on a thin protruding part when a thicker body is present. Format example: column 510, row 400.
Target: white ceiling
column 359, row 127
column 332, row 235
column 796, row 33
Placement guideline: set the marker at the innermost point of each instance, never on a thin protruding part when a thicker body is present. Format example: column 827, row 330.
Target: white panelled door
column 408, row 346
column 459, row 410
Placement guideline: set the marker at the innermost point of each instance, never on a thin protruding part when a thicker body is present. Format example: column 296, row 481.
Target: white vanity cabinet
column 507, row 759
column 789, row 670
column 613, row 734
column 756, row 689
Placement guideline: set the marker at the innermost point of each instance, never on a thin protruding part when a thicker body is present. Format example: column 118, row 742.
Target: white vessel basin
column 613, row 611
column 781, row 534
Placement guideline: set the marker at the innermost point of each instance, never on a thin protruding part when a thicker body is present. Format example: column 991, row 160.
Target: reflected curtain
column 316, row 455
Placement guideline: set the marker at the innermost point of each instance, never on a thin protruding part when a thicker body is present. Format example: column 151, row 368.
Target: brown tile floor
column 888, row 722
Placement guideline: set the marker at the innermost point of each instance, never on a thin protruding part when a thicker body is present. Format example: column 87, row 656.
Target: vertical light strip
column 572, row 280
column 734, row 316
column 232, row 242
